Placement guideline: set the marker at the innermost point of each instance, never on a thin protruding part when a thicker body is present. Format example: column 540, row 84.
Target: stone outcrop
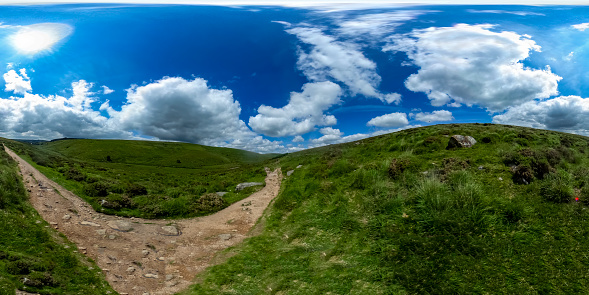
column 247, row 184
column 461, row 141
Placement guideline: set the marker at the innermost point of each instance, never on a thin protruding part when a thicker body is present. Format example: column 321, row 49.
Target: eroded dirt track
column 141, row 256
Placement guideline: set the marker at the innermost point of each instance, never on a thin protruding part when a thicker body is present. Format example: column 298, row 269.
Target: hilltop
column 401, row 214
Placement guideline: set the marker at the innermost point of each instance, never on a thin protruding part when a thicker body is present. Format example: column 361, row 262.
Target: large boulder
column 461, row 141
column 247, row 184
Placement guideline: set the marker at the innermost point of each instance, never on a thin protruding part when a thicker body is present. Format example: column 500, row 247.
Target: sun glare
column 35, row 38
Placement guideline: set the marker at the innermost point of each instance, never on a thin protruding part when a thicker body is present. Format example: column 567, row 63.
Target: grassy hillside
column 401, row 214
column 34, row 257
column 146, row 179
column 152, row 153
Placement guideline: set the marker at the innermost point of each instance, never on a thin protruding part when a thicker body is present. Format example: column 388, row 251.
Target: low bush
column 210, row 203
column 397, row 167
column 97, row 189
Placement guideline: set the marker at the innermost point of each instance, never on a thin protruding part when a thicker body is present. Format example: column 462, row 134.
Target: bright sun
column 39, row 37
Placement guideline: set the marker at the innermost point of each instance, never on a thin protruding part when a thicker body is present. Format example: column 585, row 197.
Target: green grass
column 32, row 252
column 145, row 179
column 400, row 214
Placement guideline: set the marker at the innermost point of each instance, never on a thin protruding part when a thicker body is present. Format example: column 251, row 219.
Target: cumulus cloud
column 335, row 136
column 183, row 110
column 82, row 96
column 565, row 113
column 298, row 138
column 471, row 65
column 304, row 111
column 435, row 116
column 581, row 27
column 49, row 117
column 106, row 90
column 340, row 61
column 169, row 109
column 17, row 83
column 389, row 120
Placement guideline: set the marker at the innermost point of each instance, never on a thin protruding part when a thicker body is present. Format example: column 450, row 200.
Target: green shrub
column 75, row 174
column 134, row 190
column 97, row 189
column 210, row 203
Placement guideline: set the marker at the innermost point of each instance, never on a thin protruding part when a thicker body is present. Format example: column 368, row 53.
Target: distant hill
column 146, row 178
column 152, row 153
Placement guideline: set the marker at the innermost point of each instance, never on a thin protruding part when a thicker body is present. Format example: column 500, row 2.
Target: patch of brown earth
column 140, row 256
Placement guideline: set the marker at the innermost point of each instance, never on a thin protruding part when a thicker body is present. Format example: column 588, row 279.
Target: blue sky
column 282, row 79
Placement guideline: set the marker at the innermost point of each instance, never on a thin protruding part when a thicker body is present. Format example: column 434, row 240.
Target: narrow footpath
column 140, row 256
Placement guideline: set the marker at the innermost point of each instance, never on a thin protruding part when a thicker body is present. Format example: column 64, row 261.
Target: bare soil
column 140, row 256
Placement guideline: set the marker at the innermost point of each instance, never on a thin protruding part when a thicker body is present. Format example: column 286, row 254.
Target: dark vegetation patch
column 34, row 258
column 400, row 214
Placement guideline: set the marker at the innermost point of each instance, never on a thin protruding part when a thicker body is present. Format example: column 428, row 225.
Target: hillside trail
column 141, row 256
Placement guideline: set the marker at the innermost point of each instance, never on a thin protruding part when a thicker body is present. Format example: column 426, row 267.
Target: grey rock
column 88, row 223
column 225, row 237
column 120, row 225
column 247, row 184
column 289, row 173
column 66, row 217
column 460, row 141
column 170, row 230
column 220, row 194
column 300, row 166
column 151, row 276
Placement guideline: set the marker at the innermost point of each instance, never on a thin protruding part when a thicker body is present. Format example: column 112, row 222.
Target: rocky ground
column 140, row 256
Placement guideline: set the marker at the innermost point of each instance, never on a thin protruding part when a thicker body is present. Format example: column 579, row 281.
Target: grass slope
column 150, row 153
column 401, row 214
column 146, row 179
column 32, row 256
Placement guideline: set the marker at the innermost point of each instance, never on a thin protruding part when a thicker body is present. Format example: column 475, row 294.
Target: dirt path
column 140, row 256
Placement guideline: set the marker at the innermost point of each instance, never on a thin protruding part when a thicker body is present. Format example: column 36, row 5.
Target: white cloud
column 106, row 90
column 82, row 96
column 335, row 136
column 330, row 135
column 520, row 13
column 286, row 24
column 304, row 111
column 389, row 120
column 19, row 84
column 376, row 24
column 435, row 116
column 298, row 138
column 564, row 113
column 581, row 27
column 169, row 109
column 183, row 110
column 49, row 117
column 340, row 61
column 471, row 65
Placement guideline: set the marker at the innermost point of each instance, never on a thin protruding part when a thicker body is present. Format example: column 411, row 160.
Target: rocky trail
column 140, row 256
